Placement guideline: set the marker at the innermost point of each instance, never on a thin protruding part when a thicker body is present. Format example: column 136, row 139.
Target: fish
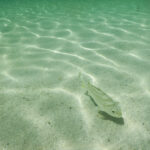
column 104, row 102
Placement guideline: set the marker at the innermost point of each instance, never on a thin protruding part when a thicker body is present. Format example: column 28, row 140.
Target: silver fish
column 104, row 102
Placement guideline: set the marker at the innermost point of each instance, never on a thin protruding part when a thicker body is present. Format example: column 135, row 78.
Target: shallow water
column 45, row 45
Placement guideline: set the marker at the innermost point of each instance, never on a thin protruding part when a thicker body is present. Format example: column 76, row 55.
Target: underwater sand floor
column 42, row 51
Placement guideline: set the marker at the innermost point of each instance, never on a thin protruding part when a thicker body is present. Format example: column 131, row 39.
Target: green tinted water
column 43, row 47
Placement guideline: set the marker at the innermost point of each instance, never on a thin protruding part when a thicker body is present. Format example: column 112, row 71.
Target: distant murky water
column 43, row 48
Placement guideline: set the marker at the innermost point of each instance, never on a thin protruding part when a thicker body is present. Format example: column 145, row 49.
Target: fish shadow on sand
column 105, row 115
column 87, row 94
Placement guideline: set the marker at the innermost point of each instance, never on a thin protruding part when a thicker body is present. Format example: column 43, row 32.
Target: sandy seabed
column 43, row 48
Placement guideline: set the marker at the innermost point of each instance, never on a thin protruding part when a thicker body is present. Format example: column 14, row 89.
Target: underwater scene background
column 45, row 45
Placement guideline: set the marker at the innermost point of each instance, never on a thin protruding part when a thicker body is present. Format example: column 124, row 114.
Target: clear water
column 44, row 45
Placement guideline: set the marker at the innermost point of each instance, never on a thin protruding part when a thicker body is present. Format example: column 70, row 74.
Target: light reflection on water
column 44, row 46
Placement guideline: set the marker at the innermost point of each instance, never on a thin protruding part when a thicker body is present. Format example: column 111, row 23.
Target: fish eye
column 113, row 111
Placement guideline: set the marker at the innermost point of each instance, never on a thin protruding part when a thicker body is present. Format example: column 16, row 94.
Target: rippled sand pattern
column 43, row 47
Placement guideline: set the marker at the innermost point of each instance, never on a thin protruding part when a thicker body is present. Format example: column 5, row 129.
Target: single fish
column 104, row 102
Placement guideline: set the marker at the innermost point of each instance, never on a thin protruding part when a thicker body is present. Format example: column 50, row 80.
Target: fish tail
column 82, row 82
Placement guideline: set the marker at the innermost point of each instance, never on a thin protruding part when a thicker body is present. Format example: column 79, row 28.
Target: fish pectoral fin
column 100, row 115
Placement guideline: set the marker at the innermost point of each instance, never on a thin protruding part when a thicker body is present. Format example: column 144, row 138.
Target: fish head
column 115, row 110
